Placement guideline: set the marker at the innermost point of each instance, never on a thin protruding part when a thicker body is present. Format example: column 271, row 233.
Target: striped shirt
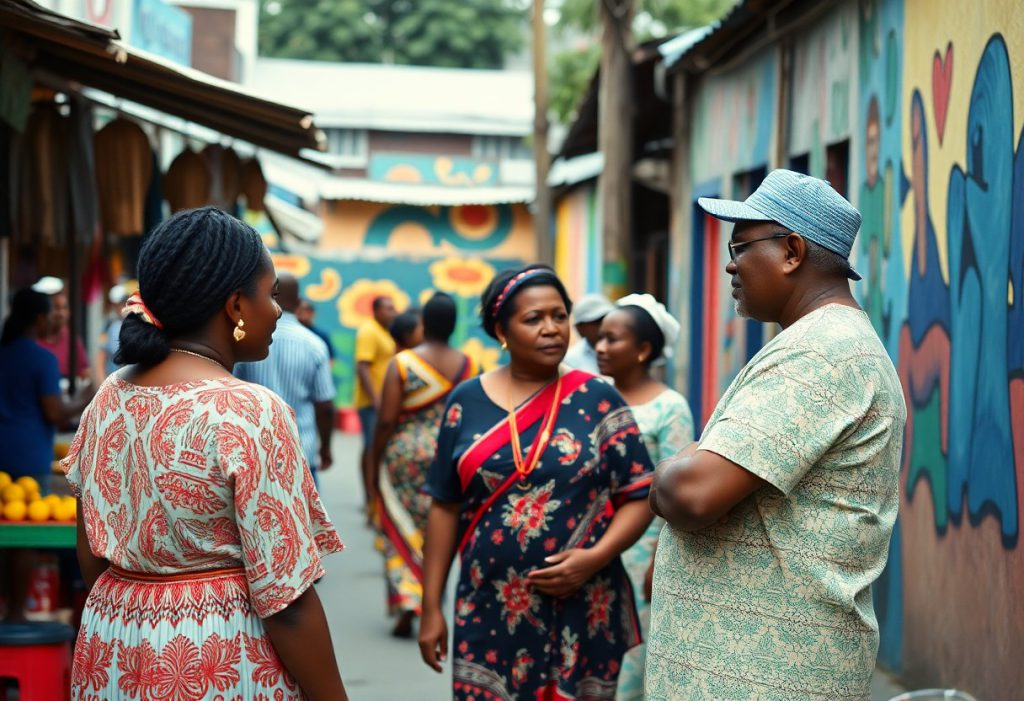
column 298, row 370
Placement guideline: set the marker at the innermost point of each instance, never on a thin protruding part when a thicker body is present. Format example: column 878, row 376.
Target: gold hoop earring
column 239, row 332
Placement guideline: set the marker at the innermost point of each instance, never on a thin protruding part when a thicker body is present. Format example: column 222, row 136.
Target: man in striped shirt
column 299, row 370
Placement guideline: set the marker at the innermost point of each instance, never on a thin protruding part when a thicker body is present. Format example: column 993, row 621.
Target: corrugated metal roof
column 93, row 56
column 402, row 98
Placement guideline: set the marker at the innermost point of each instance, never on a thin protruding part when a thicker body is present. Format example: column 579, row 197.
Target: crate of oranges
column 30, row 520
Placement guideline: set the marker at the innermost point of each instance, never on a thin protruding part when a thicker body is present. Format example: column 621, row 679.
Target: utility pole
column 542, row 200
column 615, row 141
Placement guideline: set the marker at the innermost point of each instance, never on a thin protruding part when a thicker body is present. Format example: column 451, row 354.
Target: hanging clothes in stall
column 41, row 175
column 81, row 172
column 187, row 182
column 254, row 185
column 124, row 165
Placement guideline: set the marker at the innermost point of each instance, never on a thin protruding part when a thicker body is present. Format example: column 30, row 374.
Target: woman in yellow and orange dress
column 416, row 387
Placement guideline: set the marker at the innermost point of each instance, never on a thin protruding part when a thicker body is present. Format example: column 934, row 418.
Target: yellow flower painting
column 355, row 306
column 465, row 277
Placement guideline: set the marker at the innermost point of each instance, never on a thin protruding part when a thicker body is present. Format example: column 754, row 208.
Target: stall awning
column 69, row 50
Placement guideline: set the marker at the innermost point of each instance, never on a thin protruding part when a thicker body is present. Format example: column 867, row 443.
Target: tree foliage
column 456, row 34
column 572, row 70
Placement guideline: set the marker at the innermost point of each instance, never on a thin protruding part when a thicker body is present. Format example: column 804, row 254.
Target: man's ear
column 796, row 253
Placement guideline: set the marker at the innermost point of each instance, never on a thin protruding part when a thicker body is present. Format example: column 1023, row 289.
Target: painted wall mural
column 823, row 76
column 935, row 99
column 876, row 152
column 734, row 119
column 416, row 169
column 342, row 291
column 503, row 231
column 578, row 240
column 960, row 351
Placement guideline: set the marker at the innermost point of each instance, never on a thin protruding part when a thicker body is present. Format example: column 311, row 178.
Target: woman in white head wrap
column 639, row 332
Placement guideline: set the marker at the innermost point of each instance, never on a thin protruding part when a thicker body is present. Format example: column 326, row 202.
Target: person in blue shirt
column 31, row 407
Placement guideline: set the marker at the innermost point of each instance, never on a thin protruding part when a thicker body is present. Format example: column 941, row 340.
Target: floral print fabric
column 406, row 458
column 666, row 425
column 511, row 641
column 774, row 601
column 174, row 482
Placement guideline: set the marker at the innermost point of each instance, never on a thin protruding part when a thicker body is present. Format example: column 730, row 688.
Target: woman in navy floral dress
column 540, row 483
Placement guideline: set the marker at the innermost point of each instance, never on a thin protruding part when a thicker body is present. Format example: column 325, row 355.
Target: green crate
column 37, row 535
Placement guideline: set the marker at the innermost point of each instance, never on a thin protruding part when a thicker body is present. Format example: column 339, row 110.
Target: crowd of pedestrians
column 567, row 480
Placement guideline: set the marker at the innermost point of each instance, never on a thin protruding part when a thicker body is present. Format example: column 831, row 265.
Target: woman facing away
column 416, row 386
column 200, row 530
column 538, row 483
column 635, row 335
column 31, row 407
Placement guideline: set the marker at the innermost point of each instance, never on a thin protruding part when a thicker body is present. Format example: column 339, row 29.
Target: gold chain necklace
column 543, row 436
column 200, row 355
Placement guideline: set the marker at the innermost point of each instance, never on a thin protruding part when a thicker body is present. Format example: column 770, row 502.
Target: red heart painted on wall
column 942, row 80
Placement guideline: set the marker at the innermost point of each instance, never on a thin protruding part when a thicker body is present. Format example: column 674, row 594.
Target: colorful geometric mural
column 502, row 231
column 416, row 169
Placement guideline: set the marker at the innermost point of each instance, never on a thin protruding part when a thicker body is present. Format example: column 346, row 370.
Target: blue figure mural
column 981, row 458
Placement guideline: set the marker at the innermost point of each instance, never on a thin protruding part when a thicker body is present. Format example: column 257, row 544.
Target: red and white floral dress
column 198, row 496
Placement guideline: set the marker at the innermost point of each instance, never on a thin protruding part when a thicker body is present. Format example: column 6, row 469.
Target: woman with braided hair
column 200, row 531
column 539, row 483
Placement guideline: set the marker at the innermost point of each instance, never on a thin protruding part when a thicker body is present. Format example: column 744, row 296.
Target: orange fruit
column 15, row 511
column 13, row 493
column 5, row 479
column 29, row 484
column 38, row 511
column 66, row 510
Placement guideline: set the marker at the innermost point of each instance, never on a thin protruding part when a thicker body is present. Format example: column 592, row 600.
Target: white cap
column 118, row 294
column 49, row 285
column 666, row 322
column 592, row 307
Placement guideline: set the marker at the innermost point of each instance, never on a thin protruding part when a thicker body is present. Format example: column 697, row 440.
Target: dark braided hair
column 547, row 278
column 188, row 267
column 26, row 307
column 646, row 330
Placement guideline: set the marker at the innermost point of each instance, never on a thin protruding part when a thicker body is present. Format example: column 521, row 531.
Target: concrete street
column 375, row 666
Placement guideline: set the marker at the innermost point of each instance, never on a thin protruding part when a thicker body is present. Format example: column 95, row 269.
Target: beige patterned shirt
column 774, row 601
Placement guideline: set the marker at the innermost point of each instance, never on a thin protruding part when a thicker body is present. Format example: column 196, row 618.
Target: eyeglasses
column 733, row 245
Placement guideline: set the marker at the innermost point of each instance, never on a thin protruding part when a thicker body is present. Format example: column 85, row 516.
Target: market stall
column 88, row 128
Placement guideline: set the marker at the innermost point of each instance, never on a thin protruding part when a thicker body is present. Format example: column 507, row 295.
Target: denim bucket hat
column 808, row 206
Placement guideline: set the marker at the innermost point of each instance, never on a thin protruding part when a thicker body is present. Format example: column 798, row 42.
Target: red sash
column 499, row 436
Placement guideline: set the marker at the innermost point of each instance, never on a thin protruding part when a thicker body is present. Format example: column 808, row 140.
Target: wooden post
column 542, row 201
column 615, row 141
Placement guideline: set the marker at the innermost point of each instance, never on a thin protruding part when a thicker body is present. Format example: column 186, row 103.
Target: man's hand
column 570, row 570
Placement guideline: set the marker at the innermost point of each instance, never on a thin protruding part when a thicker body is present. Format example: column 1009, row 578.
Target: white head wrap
column 665, row 321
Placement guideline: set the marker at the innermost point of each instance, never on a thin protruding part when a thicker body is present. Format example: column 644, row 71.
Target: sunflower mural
column 342, row 290
column 355, row 305
column 464, row 279
column 486, row 357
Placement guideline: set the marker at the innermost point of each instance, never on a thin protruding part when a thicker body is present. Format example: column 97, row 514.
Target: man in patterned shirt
column 779, row 518
column 298, row 369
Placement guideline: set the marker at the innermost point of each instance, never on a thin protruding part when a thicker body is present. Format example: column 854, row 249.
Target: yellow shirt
column 375, row 346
